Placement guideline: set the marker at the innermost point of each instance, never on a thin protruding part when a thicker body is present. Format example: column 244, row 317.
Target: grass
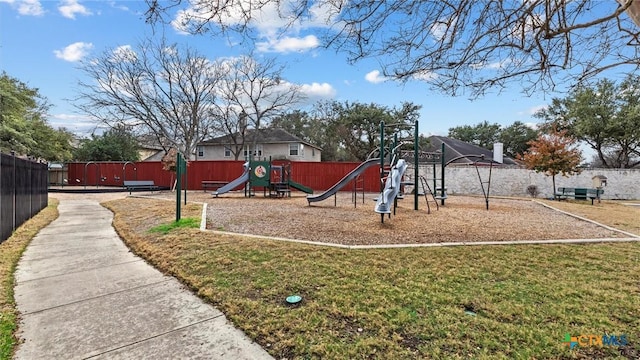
column 401, row 303
column 10, row 252
column 182, row 223
column 610, row 213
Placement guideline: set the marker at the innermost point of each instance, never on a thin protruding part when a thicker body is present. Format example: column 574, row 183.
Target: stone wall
column 511, row 181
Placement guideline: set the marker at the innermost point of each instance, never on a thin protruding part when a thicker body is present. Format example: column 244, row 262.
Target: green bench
column 564, row 193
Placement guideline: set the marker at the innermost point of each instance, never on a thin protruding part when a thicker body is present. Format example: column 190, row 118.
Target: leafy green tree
column 349, row 131
column 358, row 127
column 554, row 153
column 605, row 116
column 51, row 144
column 482, row 134
column 116, row 144
column 316, row 129
column 515, row 138
column 23, row 127
column 18, row 105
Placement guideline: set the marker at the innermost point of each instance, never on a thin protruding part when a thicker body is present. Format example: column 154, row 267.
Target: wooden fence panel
column 317, row 175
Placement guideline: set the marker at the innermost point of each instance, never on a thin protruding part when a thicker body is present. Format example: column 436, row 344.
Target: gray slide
column 235, row 183
column 391, row 188
column 344, row 181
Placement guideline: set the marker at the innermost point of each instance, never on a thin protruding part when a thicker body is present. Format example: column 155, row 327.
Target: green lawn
column 10, row 252
column 461, row 302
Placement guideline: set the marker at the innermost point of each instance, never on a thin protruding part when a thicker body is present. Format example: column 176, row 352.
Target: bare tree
column 251, row 94
column 164, row 90
column 456, row 46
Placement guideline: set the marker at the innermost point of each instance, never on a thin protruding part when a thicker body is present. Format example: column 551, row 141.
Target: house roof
column 457, row 148
column 149, row 142
column 260, row 136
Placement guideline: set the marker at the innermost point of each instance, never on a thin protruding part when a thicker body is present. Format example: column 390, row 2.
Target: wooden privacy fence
column 317, row 175
column 23, row 192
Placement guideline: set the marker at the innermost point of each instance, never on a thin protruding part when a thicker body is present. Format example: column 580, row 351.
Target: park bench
column 139, row 185
column 564, row 193
column 213, row 184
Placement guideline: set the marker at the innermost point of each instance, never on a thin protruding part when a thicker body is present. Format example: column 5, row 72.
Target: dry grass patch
column 10, row 252
column 401, row 303
column 608, row 212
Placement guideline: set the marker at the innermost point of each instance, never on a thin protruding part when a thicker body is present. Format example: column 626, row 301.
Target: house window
column 200, row 151
column 293, row 149
column 254, row 152
column 313, row 152
column 227, row 151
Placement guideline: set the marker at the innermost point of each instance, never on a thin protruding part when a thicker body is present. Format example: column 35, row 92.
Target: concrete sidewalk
column 82, row 294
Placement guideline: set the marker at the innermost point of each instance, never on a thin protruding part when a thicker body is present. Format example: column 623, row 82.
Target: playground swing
column 485, row 192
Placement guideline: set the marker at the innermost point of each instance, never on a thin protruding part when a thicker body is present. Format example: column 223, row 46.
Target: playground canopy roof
column 455, row 148
column 261, row 136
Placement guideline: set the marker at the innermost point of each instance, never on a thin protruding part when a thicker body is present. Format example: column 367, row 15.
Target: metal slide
column 300, row 187
column 391, row 188
column 344, row 181
column 235, row 183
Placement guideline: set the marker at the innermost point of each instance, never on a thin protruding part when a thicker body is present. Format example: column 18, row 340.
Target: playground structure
column 272, row 178
column 394, row 176
column 392, row 171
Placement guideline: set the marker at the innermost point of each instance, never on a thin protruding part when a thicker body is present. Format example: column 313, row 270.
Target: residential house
column 262, row 143
column 149, row 149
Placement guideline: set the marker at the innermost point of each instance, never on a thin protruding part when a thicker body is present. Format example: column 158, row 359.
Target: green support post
column 178, row 184
column 395, row 144
column 442, row 185
column 381, row 155
column 415, row 165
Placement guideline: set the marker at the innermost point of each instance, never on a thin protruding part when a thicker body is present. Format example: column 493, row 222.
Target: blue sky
column 42, row 42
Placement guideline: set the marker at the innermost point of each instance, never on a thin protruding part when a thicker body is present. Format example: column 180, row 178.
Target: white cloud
column 288, row 44
column 26, row 7
column 74, row 52
column 375, row 77
column 118, row 6
column 80, row 125
column 424, row 75
column 443, row 30
column 69, row 9
column 317, row 90
column 125, row 53
column 535, row 109
column 276, row 22
column 269, row 17
column 496, row 65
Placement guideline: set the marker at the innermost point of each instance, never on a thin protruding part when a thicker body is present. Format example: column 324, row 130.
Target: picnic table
column 564, row 193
